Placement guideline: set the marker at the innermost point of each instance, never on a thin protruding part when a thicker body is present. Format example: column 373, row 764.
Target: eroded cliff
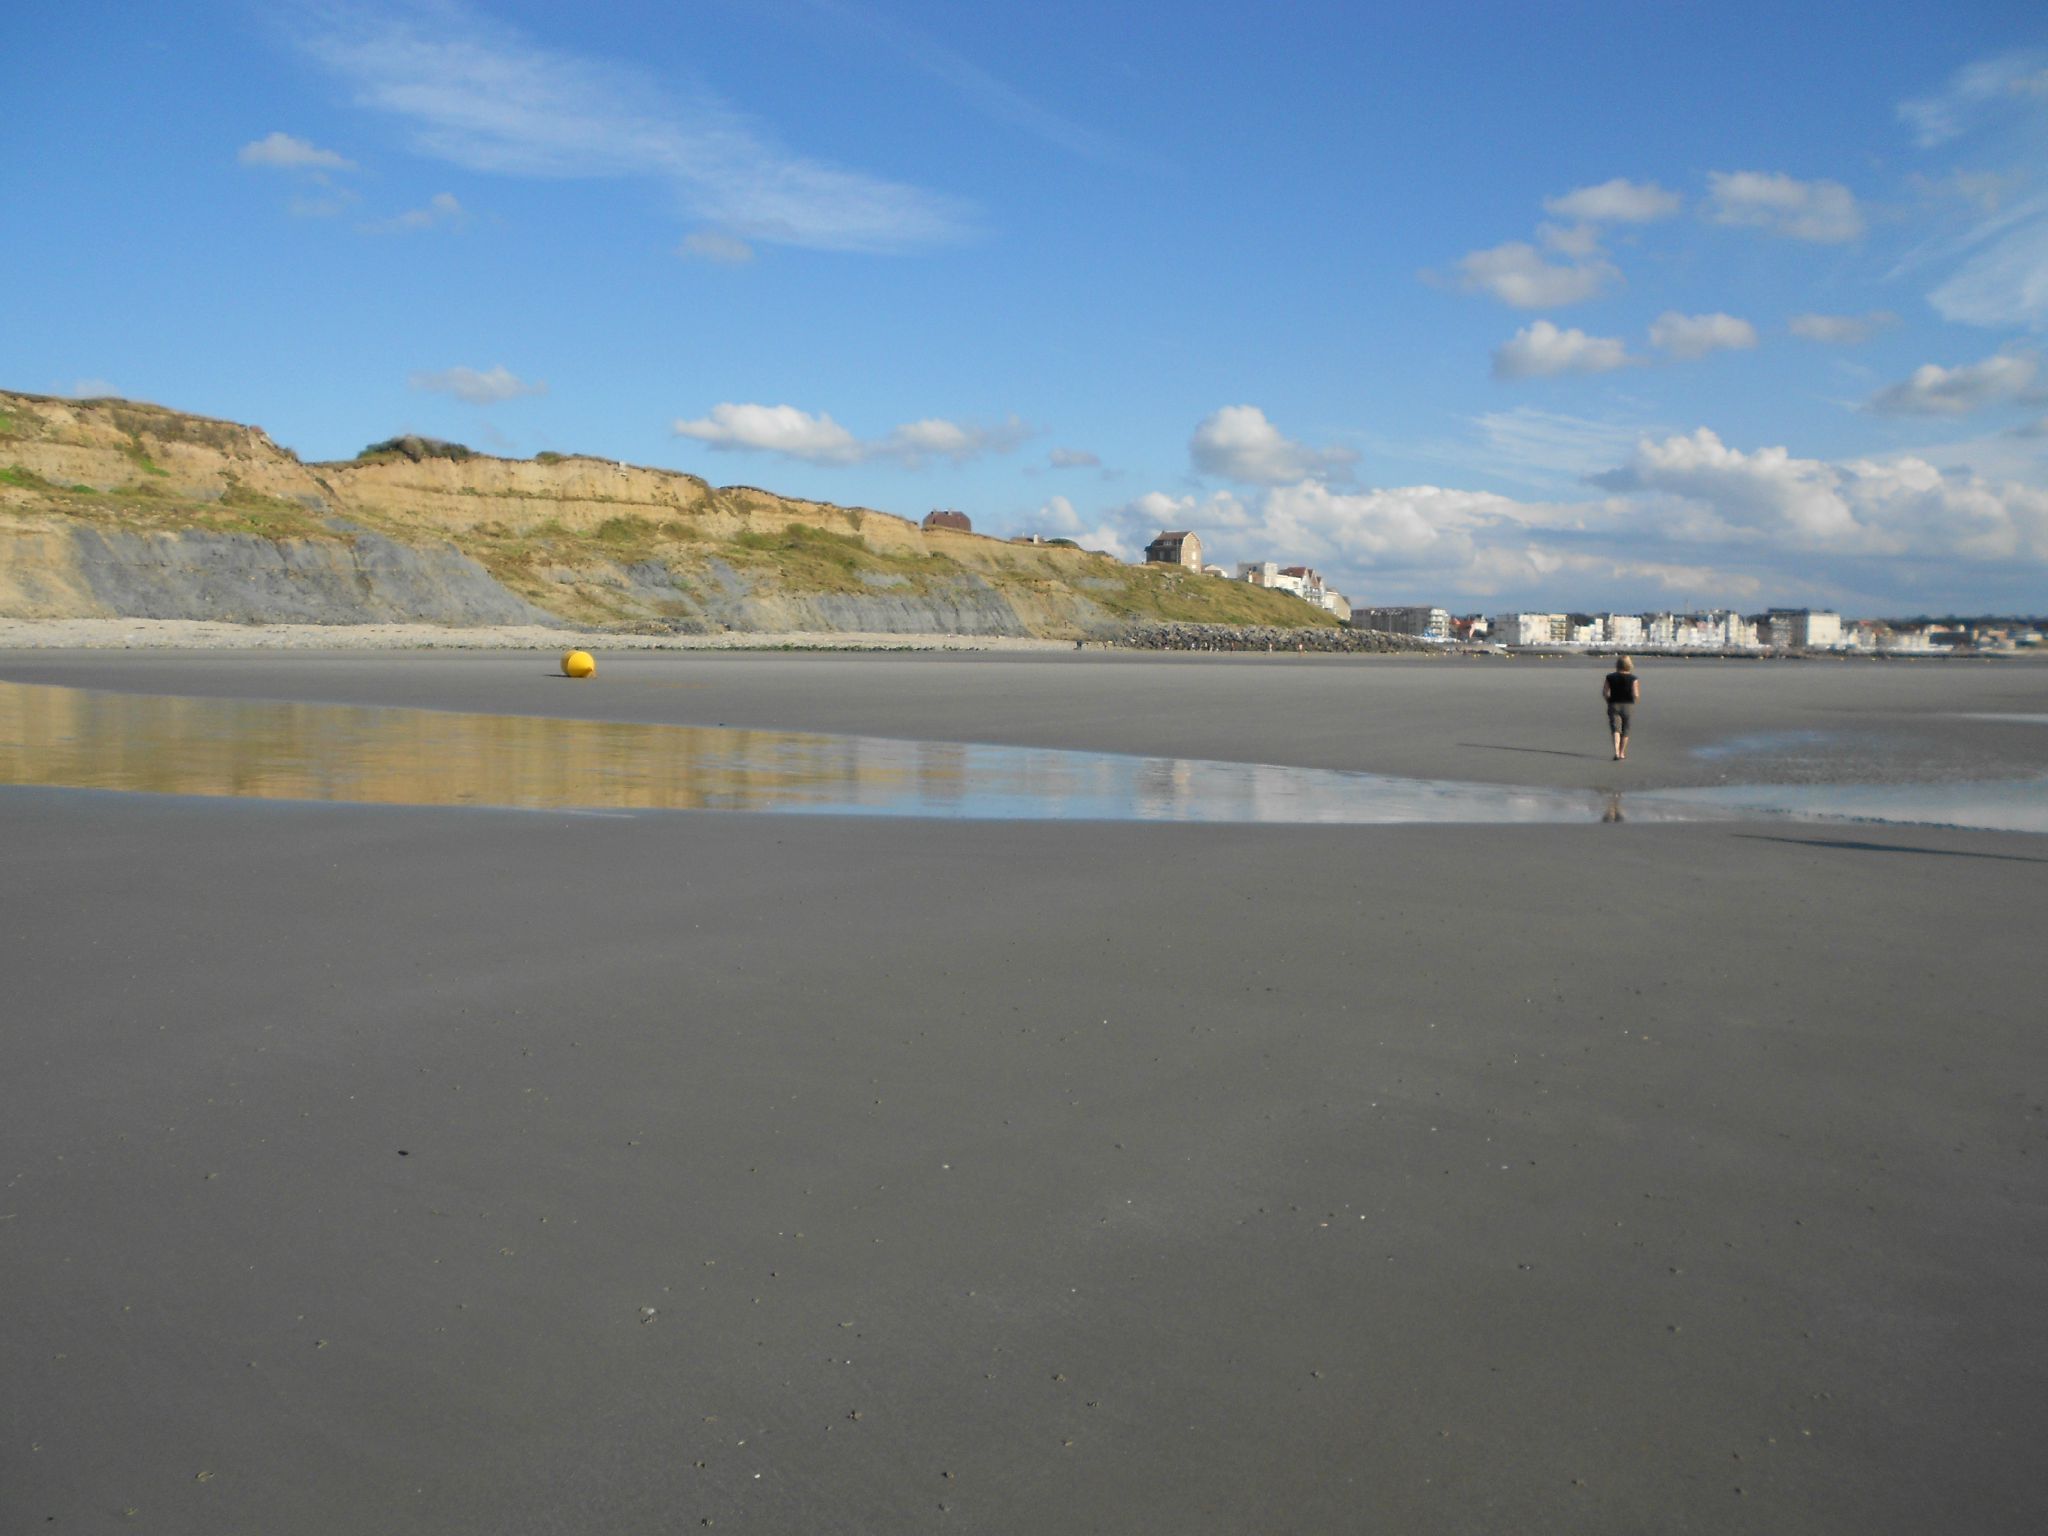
column 112, row 508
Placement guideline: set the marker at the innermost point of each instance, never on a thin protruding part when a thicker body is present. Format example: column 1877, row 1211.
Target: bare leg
column 1621, row 745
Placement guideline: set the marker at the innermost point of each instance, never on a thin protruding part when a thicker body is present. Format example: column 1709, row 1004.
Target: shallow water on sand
column 147, row 743
column 287, row 751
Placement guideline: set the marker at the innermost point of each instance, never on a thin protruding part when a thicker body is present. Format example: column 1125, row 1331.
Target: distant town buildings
column 1717, row 630
column 1175, row 548
column 1428, row 623
column 946, row 517
column 1304, row 582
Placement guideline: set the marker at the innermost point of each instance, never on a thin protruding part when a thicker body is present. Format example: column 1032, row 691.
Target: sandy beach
column 470, row 1170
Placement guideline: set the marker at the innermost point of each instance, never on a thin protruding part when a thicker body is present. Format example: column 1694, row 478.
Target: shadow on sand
column 1492, row 746
column 1850, row 845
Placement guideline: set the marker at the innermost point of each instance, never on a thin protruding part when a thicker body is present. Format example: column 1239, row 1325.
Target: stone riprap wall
column 1234, row 637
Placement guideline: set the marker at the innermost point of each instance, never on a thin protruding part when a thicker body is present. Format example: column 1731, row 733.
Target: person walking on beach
column 1621, row 688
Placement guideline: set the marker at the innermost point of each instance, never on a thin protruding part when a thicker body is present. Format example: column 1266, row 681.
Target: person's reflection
column 1613, row 811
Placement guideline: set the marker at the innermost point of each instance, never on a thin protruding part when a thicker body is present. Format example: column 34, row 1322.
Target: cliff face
column 109, row 508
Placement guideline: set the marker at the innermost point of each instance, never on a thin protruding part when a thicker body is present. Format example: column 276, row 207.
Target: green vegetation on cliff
column 586, row 539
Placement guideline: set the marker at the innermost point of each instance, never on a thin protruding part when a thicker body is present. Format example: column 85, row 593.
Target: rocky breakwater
column 1266, row 637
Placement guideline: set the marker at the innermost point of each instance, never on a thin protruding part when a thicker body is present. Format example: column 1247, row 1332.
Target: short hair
column 1625, row 664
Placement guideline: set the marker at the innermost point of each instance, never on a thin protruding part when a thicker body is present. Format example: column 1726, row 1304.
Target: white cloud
column 1685, row 517
column 1619, row 201
column 1059, row 519
column 1579, row 240
column 2005, row 282
column 1972, row 92
column 1517, row 274
column 1936, row 391
column 483, row 96
column 1544, row 446
column 1824, row 212
column 721, row 250
column 1239, row 443
column 477, row 386
column 778, row 429
column 441, row 211
column 1898, row 507
column 794, row 434
column 1690, row 336
column 1073, row 458
column 1541, row 351
column 1405, row 526
column 329, row 204
column 282, row 152
column 1841, row 330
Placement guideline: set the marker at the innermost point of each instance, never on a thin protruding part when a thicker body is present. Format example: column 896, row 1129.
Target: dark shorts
column 1617, row 717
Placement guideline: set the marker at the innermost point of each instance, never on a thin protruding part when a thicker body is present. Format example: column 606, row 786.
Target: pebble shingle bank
column 1233, row 637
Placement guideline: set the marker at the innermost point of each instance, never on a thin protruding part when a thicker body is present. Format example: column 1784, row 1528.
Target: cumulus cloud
column 484, row 96
column 1239, row 443
column 794, row 434
column 1059, row 519
column 486, row 386
column 1073, row 458
column 1684, row 514
column 1518, row 274
column 1894, row 507
column 1842, row 330
column 1824, row 212
column 1577, row 240
column 282, row 152
column 1690, row 336
column 721, row 250
column 1542, row 350
column 1619, row 201
column 1936, row 391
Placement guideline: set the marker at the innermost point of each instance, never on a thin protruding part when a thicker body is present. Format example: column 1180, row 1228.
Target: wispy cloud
column 988, row 94
column 484, row 96
column 1984, row 88
column 441, row 211
column 487, row 386
column 1841, row 330
column 1073, row 458
column 790, row 433
column 720, row 250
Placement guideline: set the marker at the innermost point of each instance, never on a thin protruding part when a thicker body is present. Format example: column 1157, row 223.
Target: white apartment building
column 1529, row 628
column 1804, row 629
column 1623, row 629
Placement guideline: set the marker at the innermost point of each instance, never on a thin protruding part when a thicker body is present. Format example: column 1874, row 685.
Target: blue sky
column 1590, row 305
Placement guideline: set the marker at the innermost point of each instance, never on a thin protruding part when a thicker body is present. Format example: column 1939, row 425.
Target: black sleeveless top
column 1621, row 688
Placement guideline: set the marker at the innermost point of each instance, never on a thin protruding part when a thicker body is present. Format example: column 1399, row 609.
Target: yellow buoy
column 577, row 664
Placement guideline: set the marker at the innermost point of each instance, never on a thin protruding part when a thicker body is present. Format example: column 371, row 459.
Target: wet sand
column 1027, row 1177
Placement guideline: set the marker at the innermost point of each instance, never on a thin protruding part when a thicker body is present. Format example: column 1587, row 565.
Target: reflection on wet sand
column 287, row 751
column 146, row 743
